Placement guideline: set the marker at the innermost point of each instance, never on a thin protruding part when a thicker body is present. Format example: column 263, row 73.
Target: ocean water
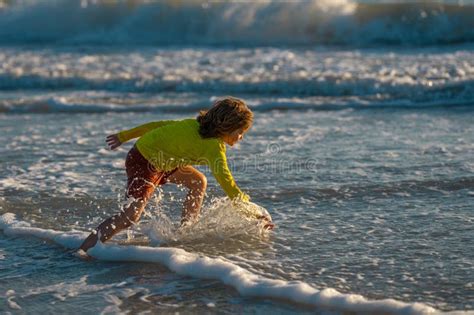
column 361, row 150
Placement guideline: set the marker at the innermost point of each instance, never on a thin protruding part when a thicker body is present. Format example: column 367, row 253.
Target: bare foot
column 82, row 255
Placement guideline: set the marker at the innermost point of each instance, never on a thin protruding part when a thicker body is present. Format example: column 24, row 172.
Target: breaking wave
column 241, row 23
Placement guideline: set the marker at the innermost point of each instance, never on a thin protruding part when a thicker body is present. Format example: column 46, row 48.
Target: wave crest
column 169, row 22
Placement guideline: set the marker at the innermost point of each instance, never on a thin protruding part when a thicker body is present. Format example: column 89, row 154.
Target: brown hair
column 224, row 117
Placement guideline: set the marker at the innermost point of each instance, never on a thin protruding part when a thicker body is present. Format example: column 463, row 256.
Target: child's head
column 227, row 117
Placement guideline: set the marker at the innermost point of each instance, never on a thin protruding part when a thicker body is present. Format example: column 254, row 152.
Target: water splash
column 221, row 220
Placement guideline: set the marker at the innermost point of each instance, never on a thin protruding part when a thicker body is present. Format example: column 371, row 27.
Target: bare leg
column 192, row 205
column 187, row 176
column 196, row 182
column 130, row 215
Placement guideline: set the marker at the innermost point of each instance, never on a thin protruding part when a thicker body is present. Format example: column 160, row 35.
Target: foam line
column 245, row 282
column 10, row 226
column 57, row 107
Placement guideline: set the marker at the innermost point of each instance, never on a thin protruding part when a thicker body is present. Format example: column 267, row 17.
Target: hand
column 113, row 141
column 266, row 221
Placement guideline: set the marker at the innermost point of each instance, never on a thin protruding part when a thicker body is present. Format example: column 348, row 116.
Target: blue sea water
column 362, row 151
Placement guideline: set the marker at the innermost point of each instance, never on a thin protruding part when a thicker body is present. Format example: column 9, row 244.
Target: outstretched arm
column 221, row 172
column 139, row 131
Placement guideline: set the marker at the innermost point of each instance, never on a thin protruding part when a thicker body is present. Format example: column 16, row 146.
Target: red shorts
column 143, row 177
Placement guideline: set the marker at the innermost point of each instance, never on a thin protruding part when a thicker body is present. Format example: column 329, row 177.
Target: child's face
column 234, row 137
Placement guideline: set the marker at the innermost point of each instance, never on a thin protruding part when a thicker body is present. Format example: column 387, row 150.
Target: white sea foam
column 9, row 296
column 244, row 281
column 281, row 78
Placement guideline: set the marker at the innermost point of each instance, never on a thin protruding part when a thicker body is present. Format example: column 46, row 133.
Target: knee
column 200, row 183
column 133, row 218
column 203, row 182
column 132, row 214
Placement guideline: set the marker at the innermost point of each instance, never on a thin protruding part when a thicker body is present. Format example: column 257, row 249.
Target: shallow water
column 375, row 202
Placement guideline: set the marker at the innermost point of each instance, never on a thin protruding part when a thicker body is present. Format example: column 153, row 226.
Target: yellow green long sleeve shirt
column 169, row 144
